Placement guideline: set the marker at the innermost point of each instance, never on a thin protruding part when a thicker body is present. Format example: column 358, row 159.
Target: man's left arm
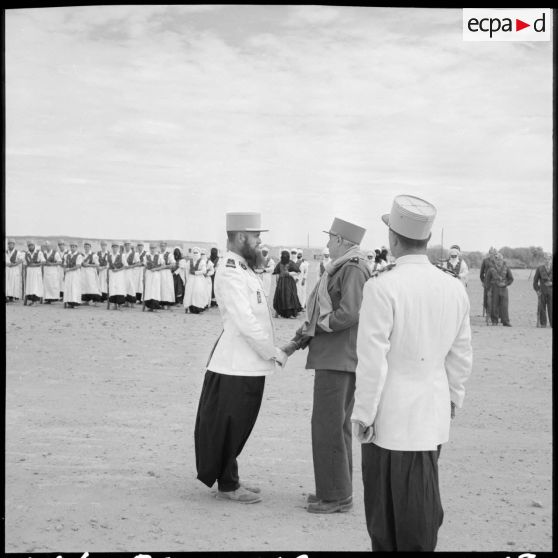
column 509, row 277
column 459, row 360
column 373, row 345
column 346, row 315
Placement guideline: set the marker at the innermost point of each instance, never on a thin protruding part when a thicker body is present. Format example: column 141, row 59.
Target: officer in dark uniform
column 330, row 334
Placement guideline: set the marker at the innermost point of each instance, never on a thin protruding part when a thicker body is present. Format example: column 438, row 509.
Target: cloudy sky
column 153, row 121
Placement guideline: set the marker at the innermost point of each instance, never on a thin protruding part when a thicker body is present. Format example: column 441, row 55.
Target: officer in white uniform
column 414, row 356
column 243, row 356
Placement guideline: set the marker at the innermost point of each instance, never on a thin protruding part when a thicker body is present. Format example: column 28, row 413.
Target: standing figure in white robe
column 195, row 295
column 72, row 278
column 90, row 287
column 51, row 273
column 153, row 265
column 102, row 256
column 265, row 272
column 63, row 251
column 301, row 285
column 34, row 290
column 325, row 260
column 14, row 275
column 117, row 280
column 139, row 270
column 131, row 262
column 209, row 273
column 167, row 281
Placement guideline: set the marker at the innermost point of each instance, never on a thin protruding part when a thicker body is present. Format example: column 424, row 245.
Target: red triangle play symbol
column 519, row 25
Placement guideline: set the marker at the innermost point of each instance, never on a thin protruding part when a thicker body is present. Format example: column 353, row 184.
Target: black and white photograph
column 278, row 278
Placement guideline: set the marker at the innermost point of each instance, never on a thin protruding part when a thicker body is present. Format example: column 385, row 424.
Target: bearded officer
column 243, row 356
column 414, row 356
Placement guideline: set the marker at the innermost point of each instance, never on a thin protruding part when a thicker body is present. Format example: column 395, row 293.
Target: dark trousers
column 227, row 412
column 545, row 305
column 401, row 498
column 331, row 433
column 499, row 305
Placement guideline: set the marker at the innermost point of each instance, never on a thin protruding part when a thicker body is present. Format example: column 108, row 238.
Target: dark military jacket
column 336, row 350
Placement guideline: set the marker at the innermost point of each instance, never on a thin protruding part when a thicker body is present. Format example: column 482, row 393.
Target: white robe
column 210, row 270
column 61, row 268
column 117, row 281
column 72, row 281
column 103, row 275
column 130, row 273
column 152, row 280
column 138, row 273
column 195, row 293
column 90, row 278
column 300, row 288
column 266, row 277
column 13, row 274
column 34, row 278
column 167, row 282
column 51, row 277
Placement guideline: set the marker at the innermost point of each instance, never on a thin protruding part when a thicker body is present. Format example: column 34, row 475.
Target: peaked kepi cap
column 346, row 230
column 411, row 217
column 247, row 221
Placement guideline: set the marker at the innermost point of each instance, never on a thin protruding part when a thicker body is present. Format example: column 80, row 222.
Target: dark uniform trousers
column 545, row 305
column 227, row 412
column 500, row 304
column 401, row 498
column 331, row 433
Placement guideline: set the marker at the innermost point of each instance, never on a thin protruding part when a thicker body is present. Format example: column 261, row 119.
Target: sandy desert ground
column 100, row 410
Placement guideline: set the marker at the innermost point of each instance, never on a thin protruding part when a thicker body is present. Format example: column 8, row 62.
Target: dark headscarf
column 213, row 255
column 285, row 257
column 177, row 254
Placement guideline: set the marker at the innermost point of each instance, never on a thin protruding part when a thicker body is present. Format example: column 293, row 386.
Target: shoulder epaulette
column 243, row 266
column 231, row 263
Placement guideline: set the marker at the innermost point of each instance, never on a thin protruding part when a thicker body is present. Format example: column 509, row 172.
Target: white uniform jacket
column 246, row 346
column 414, row 354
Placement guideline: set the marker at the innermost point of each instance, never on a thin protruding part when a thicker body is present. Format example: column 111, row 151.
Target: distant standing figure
column 499, row 278
column 90, row 288
column 34, row 259
column 130, row 260
column 542, row 283
column 214, row 259
column 325, row 260
column 153, row 265
column 140, row 270
column 14, row 265
column 285, row 301
column 265, row 270
column 302, row 283
column 179, row 275
column 371, row 260
column 167, row 282
column 195, row 292
column 102, row 255
column 72, row 279
column 457, row 264
column 63, row 251
column 117, row 281
column 486, row 264
column 209, row 274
